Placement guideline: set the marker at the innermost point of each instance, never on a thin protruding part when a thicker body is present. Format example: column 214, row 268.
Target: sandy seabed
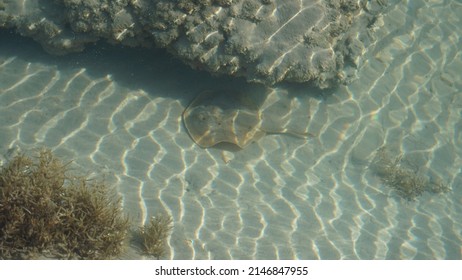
column 117, row 112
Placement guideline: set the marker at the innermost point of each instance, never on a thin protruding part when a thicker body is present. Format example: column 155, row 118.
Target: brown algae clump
column 45, row 212
column 405, row 181
column 153, row 235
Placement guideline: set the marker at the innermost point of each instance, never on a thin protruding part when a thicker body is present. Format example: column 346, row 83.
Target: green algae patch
column 151, row 237
column 47, row 212
column 407, row 183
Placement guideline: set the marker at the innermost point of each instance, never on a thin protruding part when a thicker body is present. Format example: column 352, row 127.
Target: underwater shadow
column 152, row 70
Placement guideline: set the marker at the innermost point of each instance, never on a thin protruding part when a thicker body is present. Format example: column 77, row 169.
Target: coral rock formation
column 266, row 41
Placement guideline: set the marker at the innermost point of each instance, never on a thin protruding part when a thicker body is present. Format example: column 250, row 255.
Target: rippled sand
column 117, row 112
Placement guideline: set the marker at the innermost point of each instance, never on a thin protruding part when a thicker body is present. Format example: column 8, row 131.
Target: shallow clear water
column 117, row 111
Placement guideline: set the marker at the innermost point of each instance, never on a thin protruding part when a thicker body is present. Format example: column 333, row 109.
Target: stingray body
column 239, row 118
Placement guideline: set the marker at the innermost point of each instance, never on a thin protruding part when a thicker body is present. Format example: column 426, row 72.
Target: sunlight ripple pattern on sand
column 281, row 197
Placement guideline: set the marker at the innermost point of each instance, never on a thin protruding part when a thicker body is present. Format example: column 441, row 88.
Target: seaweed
column 47, row 212
column 153, row 235
column 405, row 181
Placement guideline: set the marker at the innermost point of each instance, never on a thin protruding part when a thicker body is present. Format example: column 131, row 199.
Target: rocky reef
column 265, row 41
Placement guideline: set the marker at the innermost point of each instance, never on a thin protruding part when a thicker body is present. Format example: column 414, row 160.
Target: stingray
column 240, row 118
